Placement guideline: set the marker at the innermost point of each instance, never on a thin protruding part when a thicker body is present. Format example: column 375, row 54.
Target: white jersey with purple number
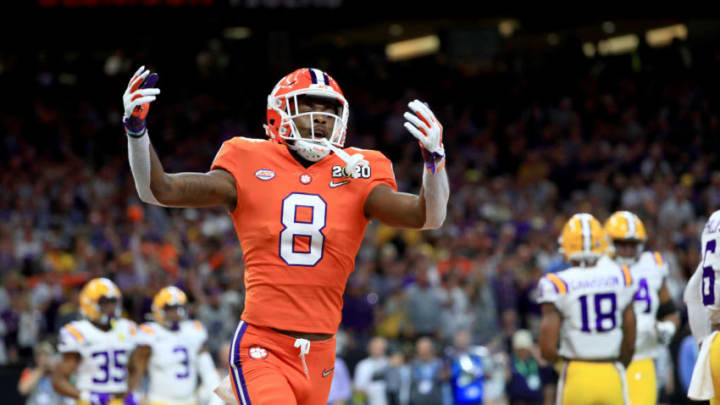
column 172, row 366
column 702, row 294
column 591, row 301
column 104, row 354
column 648, row 273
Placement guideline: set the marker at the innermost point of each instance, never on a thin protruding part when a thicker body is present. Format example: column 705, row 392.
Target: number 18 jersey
column 591, row 301
column 300, row 230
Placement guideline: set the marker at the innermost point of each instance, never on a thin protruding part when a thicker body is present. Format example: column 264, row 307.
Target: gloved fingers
column 416, row 133
column 422, row 110
column 417, row 122
column 137, row 81
column 141, row 101
column 145, row 92
column 150, row 81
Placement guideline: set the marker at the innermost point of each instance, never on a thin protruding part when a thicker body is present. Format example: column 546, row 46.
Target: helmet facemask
column 318, row 144
column 173, row 322
column 105, row 317
column 627, row 260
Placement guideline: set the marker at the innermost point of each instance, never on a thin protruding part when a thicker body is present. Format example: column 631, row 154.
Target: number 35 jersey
column 104, row 354
column 591, row 301
column 300, row 230
column 173, row 361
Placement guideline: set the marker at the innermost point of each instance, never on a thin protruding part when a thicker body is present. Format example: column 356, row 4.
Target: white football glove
column 427, row 129
column 139, row 94
column 666, row 331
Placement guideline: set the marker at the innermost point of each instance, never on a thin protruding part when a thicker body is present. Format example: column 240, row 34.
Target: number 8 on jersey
column 299, row 225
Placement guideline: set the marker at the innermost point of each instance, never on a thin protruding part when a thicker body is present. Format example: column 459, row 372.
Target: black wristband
column 665, row 309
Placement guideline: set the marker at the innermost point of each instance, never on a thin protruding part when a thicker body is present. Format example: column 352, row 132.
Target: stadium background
column 545, row 115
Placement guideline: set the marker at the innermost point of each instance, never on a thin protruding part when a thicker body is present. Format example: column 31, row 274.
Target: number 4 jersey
column 105, row 354
column 300, row 230
column 649, row 273
column 591, row 301
column 173, row 361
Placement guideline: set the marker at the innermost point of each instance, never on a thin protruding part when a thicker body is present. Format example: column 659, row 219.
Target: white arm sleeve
column 139, row 157
column 209, row 376
column 436, row 190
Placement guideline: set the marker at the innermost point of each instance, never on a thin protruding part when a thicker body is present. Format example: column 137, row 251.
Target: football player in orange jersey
column 300, row 203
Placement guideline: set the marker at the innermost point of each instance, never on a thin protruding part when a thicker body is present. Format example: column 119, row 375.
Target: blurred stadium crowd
column 529, row 143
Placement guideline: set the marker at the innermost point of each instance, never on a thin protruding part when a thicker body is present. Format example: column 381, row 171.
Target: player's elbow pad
column 436, row 191
column 139, row 158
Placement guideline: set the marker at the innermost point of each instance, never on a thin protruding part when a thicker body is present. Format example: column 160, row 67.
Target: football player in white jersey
column 587, row 312
column 702, row 297
column 172, row 350
column 656, row 315
column 96, row 349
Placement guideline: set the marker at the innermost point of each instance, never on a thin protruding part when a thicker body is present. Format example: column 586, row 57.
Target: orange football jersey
column 300, row 230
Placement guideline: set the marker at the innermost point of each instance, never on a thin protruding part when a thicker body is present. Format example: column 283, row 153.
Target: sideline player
column 702, row 297
column 174, row 349
column 96, row 349
column 300, row 204
column 654, row 309
column 587, row 310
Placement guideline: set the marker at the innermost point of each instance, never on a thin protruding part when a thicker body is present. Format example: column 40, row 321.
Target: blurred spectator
column 365, row 381
column 527, row 378
column 35, row 382
column 676, row 210
column 467, row 371
column 424, row 304
column 484, row 309
column 455, row 314
column 3, row 351
column 215, row 318
column 30, row 322
column 397, row 378
column 341, row 386
column 428, row 374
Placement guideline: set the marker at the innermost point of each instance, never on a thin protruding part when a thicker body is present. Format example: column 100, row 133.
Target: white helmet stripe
column 632, row 229
column 320, row 76
column 586, row 233
column 110, row 286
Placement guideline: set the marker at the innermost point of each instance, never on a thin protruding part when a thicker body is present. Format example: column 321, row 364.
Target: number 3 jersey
column 300, row 230
column 173, row 361
column 104, row 354
column 591, row 301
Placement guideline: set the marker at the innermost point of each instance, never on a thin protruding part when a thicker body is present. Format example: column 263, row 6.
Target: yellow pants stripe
column 715, row 368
